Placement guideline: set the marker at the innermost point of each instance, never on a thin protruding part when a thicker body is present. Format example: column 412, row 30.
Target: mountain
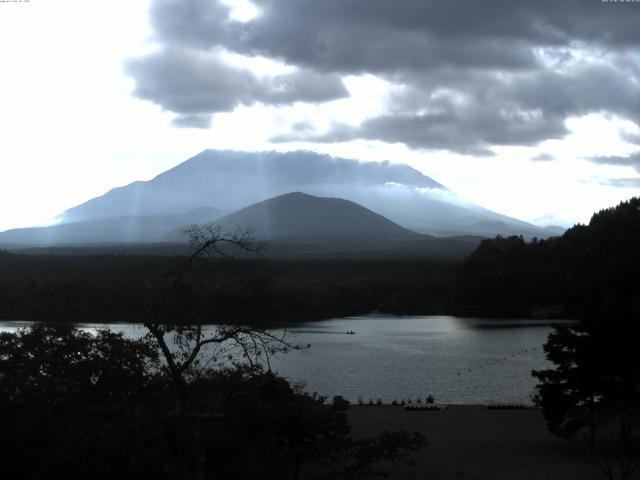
column 123, row 229
column 158, row 209
column 298, row 225
column 298, row 215
column 232, row 180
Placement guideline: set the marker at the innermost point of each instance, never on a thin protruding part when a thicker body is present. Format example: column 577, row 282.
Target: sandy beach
column 472, row 442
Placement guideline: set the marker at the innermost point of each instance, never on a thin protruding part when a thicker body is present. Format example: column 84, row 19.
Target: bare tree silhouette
column 228, row 344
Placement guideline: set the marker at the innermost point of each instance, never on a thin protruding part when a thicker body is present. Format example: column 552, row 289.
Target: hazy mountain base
column 121, row 230
column 302, row 247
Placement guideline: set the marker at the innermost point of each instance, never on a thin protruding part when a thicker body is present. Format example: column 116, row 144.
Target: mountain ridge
column 297, row 214
column 192, row 183
column 231, row 180
column 204, row 186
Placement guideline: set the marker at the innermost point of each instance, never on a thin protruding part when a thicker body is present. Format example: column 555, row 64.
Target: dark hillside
column 594, row 264
column 101, row 288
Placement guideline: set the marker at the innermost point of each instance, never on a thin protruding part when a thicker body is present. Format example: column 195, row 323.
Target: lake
column 457, row 360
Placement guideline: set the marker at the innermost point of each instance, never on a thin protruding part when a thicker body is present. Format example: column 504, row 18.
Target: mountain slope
column 125, row 229
column 298, row 225
column 295, row 215
column 232, row 180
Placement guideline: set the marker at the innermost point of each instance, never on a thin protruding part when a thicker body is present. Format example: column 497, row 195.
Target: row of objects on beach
column 429, row 400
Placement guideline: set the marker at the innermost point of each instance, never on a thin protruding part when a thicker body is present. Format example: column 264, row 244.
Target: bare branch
column 257, row 346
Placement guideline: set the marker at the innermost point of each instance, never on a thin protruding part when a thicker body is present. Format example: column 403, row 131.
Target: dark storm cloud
column 470, row 132
column 451, row 120
column 380, row 36
column 468, row 113
column 198, row 23
column 473, row 74
column 632, row 160
column 583, row 87
column 189, row 82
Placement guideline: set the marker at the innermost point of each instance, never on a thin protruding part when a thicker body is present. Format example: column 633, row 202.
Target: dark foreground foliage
column 593, row 391
column 84, row 406
column 596, row 368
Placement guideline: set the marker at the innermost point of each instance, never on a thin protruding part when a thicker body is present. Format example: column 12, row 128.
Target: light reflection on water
column 457, row 360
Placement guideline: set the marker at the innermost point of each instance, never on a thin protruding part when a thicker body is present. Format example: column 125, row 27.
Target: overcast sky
column 529, row 108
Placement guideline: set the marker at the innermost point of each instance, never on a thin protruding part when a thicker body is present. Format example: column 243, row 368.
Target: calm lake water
column 457, row 360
